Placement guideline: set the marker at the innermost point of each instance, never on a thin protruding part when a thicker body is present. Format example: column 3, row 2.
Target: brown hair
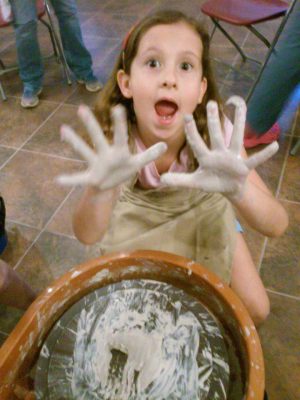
column 111, row 94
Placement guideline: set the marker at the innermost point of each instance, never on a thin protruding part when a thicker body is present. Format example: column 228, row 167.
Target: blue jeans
column 28, row 50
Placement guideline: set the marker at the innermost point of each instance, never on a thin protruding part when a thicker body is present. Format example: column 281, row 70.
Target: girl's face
column 165, row 82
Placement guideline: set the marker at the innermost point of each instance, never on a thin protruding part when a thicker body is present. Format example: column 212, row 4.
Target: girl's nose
column 169, row 83
column 169, row 78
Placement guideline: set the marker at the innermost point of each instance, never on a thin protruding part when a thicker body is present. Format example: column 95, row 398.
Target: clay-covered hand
column 110, row 164
column 221, row 169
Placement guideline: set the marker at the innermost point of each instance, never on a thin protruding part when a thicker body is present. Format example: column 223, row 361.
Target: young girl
column 133, row 199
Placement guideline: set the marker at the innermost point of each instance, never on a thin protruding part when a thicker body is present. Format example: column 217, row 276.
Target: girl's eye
column 186, row 66
column 153, row 63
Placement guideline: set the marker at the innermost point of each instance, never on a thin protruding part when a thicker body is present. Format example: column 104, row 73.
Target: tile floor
column 42, row 245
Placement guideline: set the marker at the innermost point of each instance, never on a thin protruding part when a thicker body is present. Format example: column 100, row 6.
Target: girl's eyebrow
column 184, row 53
column 151, row 49
column 191, row 53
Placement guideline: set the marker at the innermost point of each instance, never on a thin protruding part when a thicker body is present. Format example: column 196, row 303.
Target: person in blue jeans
column 28, row 50
column 277, row 82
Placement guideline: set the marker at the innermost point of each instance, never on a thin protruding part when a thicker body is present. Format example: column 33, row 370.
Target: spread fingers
column 262, row 156
column 93, row 127
column 79, row 145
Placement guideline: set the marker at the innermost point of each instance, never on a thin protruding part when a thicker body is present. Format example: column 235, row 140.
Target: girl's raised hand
column 221, row 169
column 109, row 165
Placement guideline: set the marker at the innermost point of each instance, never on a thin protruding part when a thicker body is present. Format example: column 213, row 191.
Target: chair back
column 244, row 12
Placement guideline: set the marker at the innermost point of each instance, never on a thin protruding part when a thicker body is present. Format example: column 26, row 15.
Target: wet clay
column 139, row 340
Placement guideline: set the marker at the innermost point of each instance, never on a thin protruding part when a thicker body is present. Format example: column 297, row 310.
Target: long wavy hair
column 111, row 94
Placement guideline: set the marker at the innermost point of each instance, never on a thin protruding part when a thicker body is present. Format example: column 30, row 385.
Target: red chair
column 42, row 10
column 247, row 13
column 243, row 13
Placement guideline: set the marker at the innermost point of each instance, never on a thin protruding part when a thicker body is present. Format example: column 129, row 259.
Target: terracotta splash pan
column 21, row 350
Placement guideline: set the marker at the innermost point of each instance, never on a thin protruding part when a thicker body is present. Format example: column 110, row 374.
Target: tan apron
column 187, row 222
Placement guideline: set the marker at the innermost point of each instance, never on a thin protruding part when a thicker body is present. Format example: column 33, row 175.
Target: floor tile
column 55, row 87
column 240, row 78
column 83, row 17
column 270, row 171
column 81, row 96
column 7, row 38
column 239, row 83
column 281, row 264
column 191, row 7
column 3, row 337
column 280, row 341
column 253, row 51
column 108, row 25
column 106, row 65
column 9, row 317
column 18, row 124
column 62, row 221
column 238, row 33
column 129, row 7
column 20, row 238
column 32, row 202
column 47, row 140
column 290, row 188
column 92, row 5
column 5, row 153
column 12, row 85
column 268, row 29
column 51, row 256
column 221, row 70
column 8, row 48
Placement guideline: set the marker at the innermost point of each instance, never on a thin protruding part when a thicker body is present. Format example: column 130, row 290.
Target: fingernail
column 62, row 128
column 118, row 110
column 164, row 146
column 82, row 109
column 188, row 118
column 63, row 132
column 236, row 101
column 274, row 145
column 211, row 106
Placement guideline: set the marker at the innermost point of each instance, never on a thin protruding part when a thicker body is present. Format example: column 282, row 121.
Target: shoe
column 91, row 86
column 30, row 98
column 251, row 140
column 3, row 235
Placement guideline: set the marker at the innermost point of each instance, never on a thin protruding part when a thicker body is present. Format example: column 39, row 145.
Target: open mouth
column 166, row 109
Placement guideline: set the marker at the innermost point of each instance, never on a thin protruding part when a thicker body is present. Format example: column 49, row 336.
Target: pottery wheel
column 187, row 337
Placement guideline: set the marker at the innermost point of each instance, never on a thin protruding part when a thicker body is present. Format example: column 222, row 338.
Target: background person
column 28, row 50
column 277, row 82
